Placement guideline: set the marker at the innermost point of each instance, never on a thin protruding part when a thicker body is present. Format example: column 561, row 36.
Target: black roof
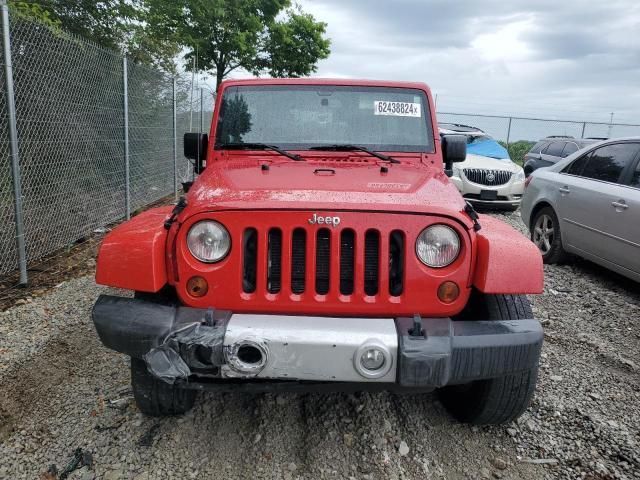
column 579, row 141
column 459, row 127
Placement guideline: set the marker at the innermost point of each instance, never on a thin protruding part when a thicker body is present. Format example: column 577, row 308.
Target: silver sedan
column 589, row 204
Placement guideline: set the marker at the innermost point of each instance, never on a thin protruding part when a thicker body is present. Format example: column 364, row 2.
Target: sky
column 565, row 59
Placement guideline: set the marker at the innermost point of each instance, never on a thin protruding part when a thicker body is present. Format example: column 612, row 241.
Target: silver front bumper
column 510, row 193
column 311, row 348
column 198, row 347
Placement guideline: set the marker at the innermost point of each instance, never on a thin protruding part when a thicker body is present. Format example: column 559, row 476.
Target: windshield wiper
column 345, row 147
column 258, row 146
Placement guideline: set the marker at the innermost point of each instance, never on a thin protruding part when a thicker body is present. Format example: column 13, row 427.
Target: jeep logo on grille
column 318, row 220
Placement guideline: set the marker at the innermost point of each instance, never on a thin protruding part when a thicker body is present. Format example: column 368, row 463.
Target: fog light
column 372, row 359
column 448, row 292
column 197, row 287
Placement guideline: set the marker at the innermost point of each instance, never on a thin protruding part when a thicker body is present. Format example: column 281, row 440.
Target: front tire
column 546, row 235
column 155, row 397
column 496, row 400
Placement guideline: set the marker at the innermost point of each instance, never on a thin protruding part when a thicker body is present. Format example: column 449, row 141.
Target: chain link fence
column 8, row 247
column 69, row 119
column 513, row 129
column 74, row 150
column 191, row 117
column 71, row 108
column 520, row 133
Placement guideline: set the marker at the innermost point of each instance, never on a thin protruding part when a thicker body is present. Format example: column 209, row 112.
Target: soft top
column 324, row 81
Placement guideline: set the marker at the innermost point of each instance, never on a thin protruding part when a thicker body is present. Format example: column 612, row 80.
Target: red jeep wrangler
column 323, row 247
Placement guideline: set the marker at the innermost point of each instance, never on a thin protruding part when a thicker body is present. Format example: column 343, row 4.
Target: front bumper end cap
column 459, row 352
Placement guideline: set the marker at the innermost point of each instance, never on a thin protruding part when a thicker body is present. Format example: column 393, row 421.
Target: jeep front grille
column 347, row 257
column 298, row 254
column 323, row 261
column 371, row 248
column 249, row 260
column 487, row 177
column 274, row 259
column 295, row 255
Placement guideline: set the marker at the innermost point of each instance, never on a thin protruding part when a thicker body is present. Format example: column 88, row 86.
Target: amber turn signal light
column 448, row 292
column 197, row 287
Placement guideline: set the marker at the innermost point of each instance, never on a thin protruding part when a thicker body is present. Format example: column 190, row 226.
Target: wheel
column 496, row 400
column 155, row 397
column 545, row 233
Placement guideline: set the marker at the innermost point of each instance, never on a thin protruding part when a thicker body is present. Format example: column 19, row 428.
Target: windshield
column 299, row 117
column 486, row 146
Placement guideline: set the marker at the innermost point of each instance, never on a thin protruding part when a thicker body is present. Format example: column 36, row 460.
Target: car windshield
column 485, row 146
column 299, row 117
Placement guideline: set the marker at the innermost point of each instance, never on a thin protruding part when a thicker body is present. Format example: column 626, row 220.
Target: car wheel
column 155, row 397
column 496, row 400
column 545, row 234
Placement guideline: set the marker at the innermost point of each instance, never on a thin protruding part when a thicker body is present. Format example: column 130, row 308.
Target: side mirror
column 454, row 149
column 195, row 148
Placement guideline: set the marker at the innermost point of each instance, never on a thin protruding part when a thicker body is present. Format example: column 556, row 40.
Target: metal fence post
column 193, row 172
column 202, row 110
column 13, row 144
column 175, row 143
column 584, row 125
column 509, row 131
column 127, row 173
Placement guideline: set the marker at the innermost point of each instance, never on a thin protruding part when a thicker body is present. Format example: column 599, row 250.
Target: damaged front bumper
column 200, row 347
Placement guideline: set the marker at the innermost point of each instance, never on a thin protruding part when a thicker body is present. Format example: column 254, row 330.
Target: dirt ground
column 62, row 391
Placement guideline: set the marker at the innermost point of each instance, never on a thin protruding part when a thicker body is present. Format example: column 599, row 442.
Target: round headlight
column 208, row 241
column 438, row 246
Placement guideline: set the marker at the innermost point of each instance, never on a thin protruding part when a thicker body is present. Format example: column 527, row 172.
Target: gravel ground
column 62, row 391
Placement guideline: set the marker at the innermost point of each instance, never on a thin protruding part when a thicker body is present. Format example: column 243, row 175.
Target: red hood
column 352, row 182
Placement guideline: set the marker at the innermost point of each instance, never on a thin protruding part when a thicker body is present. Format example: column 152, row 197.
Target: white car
column 487, row 177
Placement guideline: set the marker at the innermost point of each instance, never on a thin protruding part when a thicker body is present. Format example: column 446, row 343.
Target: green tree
column 105, row 22
column 114, row 24
column 237, row 120
column 33, row 11
column 260, row 36
column 517, row 150
column 295, row 45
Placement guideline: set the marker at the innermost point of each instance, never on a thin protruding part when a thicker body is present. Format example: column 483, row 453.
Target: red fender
column 507, row 262
column 132, row 256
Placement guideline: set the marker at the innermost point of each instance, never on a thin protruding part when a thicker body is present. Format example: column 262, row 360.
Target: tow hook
column 417, row 330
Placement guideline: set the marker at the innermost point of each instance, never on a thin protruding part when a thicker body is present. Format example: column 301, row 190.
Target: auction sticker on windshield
column 398, row 109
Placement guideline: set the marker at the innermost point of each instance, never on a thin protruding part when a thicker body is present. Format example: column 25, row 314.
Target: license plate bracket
column 488, row 195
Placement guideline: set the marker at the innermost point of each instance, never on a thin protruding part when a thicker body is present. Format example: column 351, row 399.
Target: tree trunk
column 219, row 76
